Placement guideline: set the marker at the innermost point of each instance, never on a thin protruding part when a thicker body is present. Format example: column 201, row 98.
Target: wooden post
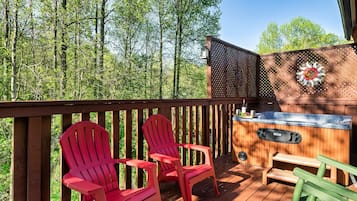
column 128, row 145
column 19, row 155
column 65, row 192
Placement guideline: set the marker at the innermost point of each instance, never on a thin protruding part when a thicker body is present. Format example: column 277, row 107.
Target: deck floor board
column 235, row 182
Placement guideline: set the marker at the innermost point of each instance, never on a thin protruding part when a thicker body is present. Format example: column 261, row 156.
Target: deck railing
column 199, row 121
column 37, row 125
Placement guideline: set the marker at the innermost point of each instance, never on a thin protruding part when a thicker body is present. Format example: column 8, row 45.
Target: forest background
column 122, row 49
column 99, row 49
column 103, row 49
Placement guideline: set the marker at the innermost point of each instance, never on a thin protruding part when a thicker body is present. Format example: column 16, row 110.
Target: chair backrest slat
column 158, row 133
column 86, row 150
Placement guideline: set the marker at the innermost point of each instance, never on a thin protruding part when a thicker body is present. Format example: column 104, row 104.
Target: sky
column 243, row 21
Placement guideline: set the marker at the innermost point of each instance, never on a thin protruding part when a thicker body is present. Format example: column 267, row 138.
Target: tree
column 55, row 30
column 161, row 14
column 60, row 49
column 101, row 48
column 191, row 18
column 64, row 47
column 14, row 40
column 271, row 39
column 4, row 50
column 299, row 33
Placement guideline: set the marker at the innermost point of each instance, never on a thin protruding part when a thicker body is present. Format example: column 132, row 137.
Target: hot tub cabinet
column 290, row 133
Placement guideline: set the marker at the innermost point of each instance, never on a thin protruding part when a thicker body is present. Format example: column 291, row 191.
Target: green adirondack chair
column 314, row 187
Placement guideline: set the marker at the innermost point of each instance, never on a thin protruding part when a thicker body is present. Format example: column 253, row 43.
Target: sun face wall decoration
column 310, row 74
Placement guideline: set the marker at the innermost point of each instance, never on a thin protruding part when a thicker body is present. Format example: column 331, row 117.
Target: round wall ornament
column 310, row 74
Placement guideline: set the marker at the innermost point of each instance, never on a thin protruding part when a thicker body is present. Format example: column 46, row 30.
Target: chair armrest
column 339, row 165
column 84, row 187
column 205, row 149
column 136, row 163
column 148, row 166
column 325, row 184
column 315, row 191
column 165, row 158
column 196, row 147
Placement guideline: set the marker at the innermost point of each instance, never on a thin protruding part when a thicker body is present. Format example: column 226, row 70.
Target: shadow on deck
column 235, row 181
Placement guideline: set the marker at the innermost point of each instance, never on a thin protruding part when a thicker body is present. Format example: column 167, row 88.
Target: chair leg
column 181, row 183
column 188, row 192
column 215, row 185
column 99, row 195
column 298, row 190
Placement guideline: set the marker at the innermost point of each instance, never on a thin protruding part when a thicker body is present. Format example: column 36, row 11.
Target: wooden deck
column 236, row 182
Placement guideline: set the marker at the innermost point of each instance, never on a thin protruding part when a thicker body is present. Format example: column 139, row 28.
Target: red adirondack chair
column 163, row 148
column 85, row 147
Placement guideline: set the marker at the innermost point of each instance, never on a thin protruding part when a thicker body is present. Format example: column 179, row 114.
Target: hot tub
column 292, row 133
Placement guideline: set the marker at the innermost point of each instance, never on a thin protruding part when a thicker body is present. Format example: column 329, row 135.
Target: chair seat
column 163, row 148
column 86, row 149
column 191, row 171
column 130, row 194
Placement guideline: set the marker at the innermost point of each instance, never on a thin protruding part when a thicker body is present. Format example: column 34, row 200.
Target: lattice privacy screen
column 236, row 72
column 233, row 71
column 278, row 73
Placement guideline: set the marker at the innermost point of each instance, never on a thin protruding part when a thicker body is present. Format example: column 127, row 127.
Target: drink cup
column 244, row 110
column 252, row 113
column 237, row 111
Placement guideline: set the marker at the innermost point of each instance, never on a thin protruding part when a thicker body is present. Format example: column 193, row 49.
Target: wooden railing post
column 224, row 129
column 139, row 145
column 198, row 135
column 65, row 192
column 38, row 158
column 128, row 124
column 205, row 125
column 18, row 189
column 46, row 158
column 34, row 141
column 166, row 111
column 184, row 133
column 116, row 138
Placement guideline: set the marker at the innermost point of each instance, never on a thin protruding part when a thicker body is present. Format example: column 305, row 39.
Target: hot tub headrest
column 278, row 135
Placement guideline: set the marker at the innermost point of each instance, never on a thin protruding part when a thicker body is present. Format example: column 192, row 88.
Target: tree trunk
column 13, row 54
column 77, row 37
column 32, row 25
column 161, row 46
column 177, row 47
column 64, row 47
column 6, row 31
column 95, row 58
column 55, row 26
column 101, row 49
column 147, row 38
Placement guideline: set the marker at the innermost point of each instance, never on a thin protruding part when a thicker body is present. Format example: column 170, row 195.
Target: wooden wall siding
column 198, row 121
column 232, row 71
column 330, row 142
column 316, row 106
column 278, row 73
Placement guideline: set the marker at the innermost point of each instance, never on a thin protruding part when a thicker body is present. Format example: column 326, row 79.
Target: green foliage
column 5, row 163
column 299, row 33
column 5, row 157
column 131, row 67
column 197, row 80
column 59, row 50
column 271, row 39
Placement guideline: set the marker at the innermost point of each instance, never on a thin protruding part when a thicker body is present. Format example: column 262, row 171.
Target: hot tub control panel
column 278, row 135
